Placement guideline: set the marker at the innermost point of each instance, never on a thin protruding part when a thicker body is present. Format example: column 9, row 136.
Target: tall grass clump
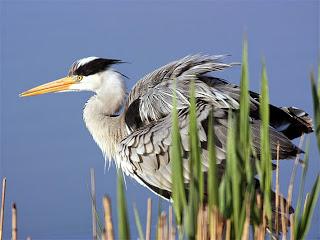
column 234, row 202
column 240, row 204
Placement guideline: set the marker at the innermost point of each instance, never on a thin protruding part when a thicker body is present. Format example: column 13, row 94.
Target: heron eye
column 79, row 77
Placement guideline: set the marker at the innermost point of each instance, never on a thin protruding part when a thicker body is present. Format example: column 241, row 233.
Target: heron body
column 139, row 138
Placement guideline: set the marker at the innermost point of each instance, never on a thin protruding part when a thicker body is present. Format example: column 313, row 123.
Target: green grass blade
column 244, row 135
column 123, row 224
column 138, row 222
column 316, row 105
column 301, row 190
column 319, row 78
column 309, row 209
column 244, row 130
column 266, row 164
column 234, row 174
column 178, row 188
column 213, row 194
column 195, row 145
column 196, row 176
column 222, row 191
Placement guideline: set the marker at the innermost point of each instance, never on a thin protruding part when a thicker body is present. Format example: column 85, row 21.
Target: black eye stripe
column 93, row 67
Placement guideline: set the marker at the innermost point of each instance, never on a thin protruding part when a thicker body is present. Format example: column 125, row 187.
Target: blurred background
column 46, row 150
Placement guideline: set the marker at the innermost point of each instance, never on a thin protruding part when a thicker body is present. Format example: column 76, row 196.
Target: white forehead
column 84, row 61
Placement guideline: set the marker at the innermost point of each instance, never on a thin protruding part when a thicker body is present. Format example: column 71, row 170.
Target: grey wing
column 147, row 149
column 189, row 67
column 151, row 98
column 157, row 102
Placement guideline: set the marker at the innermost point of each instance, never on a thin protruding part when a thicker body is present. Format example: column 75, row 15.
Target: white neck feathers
column 112, row 92
column 106, row 130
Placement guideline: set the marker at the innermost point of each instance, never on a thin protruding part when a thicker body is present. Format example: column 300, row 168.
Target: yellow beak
column 55, row 86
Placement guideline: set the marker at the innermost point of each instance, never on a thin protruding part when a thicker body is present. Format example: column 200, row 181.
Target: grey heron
column 138, row 138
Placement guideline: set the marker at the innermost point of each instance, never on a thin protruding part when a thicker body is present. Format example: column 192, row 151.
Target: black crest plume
column 95, row 66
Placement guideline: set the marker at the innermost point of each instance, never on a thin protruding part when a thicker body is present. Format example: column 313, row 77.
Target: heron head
column 86, row 74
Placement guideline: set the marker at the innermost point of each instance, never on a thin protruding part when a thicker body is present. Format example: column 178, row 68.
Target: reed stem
column 149, row 214
column 14, row 222
column 109, row 235
column 93, row 204
column 3, row 197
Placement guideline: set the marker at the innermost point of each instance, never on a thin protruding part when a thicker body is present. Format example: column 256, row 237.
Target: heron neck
column 106, row 130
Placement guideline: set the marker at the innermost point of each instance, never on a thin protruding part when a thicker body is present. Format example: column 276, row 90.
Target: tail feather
column 291, row 121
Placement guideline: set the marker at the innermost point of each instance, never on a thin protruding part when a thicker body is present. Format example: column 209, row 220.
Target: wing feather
column 144, row 153
column 155, row 166
column 194, row 65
